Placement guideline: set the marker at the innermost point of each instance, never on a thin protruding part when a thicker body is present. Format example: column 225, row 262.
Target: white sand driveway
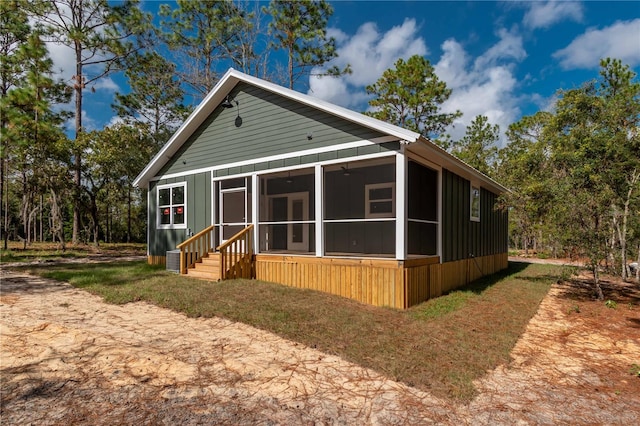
column 66, row 357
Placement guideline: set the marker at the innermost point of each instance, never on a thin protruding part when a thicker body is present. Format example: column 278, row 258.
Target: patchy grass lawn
column 49, row 252
column 441, row 345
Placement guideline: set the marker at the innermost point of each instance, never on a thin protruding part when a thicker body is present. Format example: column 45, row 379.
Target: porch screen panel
column 371, row 238
column 233, row 207
column 360, row 208
column 423, row 238
column 287, row 212
column 422, row 226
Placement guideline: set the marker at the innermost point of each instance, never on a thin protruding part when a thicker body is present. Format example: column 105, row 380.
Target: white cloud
column 509, row 48
column 64, row 64
column 369, row 53
column 88, row 123
column 621, row 41
column 485, row 86
column 546, row 14
column 106, row 83
column 116, row 119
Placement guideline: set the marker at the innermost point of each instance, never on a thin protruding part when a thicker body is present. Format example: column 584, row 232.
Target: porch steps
column 208, row 268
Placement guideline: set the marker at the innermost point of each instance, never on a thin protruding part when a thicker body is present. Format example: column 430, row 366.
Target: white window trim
column 171, row 225
column 474, row 187
column 367, row 201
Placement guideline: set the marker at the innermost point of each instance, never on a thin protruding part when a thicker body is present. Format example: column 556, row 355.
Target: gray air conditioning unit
column 173, row 261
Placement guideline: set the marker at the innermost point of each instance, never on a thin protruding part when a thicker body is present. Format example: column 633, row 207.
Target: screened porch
column 344, row 209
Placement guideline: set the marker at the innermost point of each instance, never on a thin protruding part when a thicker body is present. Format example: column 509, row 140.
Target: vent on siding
column 173, row 260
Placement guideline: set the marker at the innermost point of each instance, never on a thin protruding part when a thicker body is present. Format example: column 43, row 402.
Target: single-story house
column 265, row 182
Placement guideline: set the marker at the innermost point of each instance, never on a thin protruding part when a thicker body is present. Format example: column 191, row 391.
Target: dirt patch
column 67, row 357
column 573, row 365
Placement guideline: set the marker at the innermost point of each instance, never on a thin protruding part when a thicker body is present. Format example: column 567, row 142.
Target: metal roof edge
column 462, row 166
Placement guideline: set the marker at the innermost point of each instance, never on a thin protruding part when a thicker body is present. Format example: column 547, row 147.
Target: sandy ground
column 66, row 357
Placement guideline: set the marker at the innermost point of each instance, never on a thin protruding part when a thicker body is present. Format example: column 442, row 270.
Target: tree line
column 78, row 188
column 573, row 171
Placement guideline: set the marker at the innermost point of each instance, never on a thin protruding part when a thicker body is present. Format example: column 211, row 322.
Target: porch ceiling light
column 227, row 103
column 289, row 178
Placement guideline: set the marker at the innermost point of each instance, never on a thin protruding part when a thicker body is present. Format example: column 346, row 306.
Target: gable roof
column 232, row 77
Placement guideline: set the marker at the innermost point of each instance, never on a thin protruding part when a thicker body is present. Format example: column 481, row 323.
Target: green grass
column 441, row 346
column 49, row 252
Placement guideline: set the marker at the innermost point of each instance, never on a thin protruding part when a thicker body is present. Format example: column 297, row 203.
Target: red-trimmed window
column 172, row 206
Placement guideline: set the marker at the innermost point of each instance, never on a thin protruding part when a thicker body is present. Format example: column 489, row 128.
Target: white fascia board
column 453, row 163
column 222, row 89
column 190, row 125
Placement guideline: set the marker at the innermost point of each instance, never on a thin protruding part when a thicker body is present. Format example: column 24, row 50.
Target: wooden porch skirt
column 157, row 260
column 378, row 282
column 393, row 283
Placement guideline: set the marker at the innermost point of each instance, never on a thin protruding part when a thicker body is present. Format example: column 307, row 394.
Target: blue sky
column 501, row 59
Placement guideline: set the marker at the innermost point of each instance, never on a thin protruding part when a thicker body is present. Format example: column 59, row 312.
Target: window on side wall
column 172, row 206
column 380, row 200
column 475, row 203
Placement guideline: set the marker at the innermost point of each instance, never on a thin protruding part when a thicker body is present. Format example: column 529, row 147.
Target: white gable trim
column 222, row 89
column 348, row 145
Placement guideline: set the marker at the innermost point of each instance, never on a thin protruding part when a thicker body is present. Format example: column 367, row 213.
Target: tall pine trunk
column 128, row 213
column 57, row 231
column 78, row 86
column 596, row 280
column 633, row 182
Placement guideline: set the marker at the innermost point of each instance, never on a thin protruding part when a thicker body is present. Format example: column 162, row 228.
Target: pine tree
column 595, row 154
column 93, row 30
column 200, row 34
column 155, row 97
column 525, row 168
column 478, row 146
column 300, row 29
column 410, row 96
column 14, row 32
column 33, row 131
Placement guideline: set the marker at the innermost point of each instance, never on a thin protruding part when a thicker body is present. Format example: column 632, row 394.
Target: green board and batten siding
column 270, row 125
column 463, row 238
column 198, row 212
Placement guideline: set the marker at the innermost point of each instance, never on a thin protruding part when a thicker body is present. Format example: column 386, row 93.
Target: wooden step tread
column 207, row 275
column 209, row 261
column 205, row 267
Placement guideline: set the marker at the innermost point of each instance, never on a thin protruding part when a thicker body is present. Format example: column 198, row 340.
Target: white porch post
column 255, row 204
column 319, row 197
column 149, row 218
column 401, row 205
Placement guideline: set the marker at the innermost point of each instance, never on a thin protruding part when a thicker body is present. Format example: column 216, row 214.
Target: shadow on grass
column 480, row 285
column 20, row 255
column 580, row 289
column 13, row 285
column 455, row 299
column 118, row 273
